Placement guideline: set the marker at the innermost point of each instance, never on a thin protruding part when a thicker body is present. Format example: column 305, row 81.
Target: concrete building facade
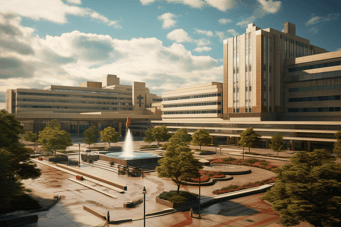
column 274, row 82
column 100, row 104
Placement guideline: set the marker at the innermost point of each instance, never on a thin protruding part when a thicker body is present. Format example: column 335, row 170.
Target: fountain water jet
column 128, row 148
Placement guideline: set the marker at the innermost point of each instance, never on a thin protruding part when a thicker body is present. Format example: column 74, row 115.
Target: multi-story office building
column 100, row 104
column 274, row 82
column 190, row 102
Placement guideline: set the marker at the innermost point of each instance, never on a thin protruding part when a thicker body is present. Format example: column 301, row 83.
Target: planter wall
column 180, row 206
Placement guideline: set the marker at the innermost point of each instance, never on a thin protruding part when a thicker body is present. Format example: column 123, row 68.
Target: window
column 245, row 88
column 249, row 110
column 234, row 110
column 250, row 88
column 245, row 110
column 237, row 110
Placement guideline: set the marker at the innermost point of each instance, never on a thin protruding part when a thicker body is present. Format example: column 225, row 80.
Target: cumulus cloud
column 247, row 21
column 202, row 42
column 224, row 21
column 75, row 57
column 315, row 20
column 265, row 7
column 232, row 32
column 201, row 49
column 179, row 36
column 52, row 10
column 270, row 6
column 221, row 5
column 208, row 33
column 167, row 19
column 220, row 34
column 78, row 2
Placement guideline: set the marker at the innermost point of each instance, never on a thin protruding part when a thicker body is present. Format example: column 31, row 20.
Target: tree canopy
column 109, row 135
column 201, row 137
column 53, row 139
column 337, row 145
column 161, row 134
column 178, row 163
column 15, row 164
column 91, row 135
column 31, row 137
column 277, row 142
column 54, row 124
column 248, row 138
column 308, row 190
column 149, row 138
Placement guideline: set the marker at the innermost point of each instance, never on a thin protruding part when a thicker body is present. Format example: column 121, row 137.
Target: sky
column 165, row 43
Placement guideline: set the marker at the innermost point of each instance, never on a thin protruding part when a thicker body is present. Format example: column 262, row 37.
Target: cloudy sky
column 165, row 43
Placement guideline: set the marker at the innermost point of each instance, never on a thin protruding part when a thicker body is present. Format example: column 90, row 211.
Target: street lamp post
column 199, row 196
column 79, row 149
column 220, row 151
column 144, row 206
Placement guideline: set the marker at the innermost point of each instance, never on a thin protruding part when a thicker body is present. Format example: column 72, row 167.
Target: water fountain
column 130, row 157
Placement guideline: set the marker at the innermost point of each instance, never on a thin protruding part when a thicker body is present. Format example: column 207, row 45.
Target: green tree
column 201, row 137
column 31, row 137
column 91, row 135
column 337, row 145
column 53, row 139
column 149, row 136
column 182, row 134
column 54, row 124
column 109, row 135
column 15, row 164
column 308, row 190
column 249, row 138
column 161, row 134
column 178, row 163
column 277, row 143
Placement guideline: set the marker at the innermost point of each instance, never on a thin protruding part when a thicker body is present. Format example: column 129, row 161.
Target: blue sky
column 166, row 44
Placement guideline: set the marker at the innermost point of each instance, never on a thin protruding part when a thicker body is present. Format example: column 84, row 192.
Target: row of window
column 72, row 101
column 316, row 76
column 192, row 112
column 73, row 107
column 74, row 96
column 247, row 110
column 313, row 99
column 94, row 92
column 323, row 87
column 321, row 109
column 246, row 89
column 296, row 69
column 194, row 104
column 157, row 100
column 192, row 97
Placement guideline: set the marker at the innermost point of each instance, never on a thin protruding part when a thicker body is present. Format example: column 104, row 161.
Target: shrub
column 230, row 187
column 177, row 199
column 251, row 160
column 229, row 159
column 173, row 197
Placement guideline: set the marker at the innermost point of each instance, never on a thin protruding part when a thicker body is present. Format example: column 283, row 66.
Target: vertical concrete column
column 308, row 146
column 267, row 143
column 292, row 145
column 227, row 140
column 120, row 127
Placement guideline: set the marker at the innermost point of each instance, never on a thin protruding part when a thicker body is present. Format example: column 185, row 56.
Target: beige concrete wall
column 91, row 84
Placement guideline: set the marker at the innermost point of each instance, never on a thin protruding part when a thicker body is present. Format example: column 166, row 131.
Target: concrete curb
column 95, row 189
column 261, row 156
column 85, row 178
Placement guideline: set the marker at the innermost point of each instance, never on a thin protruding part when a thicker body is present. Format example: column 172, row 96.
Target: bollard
column 108, row 217
column 191, row 211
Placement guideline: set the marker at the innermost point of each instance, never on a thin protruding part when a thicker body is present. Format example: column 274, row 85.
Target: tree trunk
column 178, row 188
column 109, row 144
column 200, row 147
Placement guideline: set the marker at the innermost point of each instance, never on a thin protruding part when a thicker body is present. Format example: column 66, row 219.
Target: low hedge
column 173, row 197
column 148, row 146
column 247, row 162
column 233, row 188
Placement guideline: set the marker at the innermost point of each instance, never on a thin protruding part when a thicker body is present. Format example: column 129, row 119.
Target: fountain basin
column 139, row 158
column 136, row 155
